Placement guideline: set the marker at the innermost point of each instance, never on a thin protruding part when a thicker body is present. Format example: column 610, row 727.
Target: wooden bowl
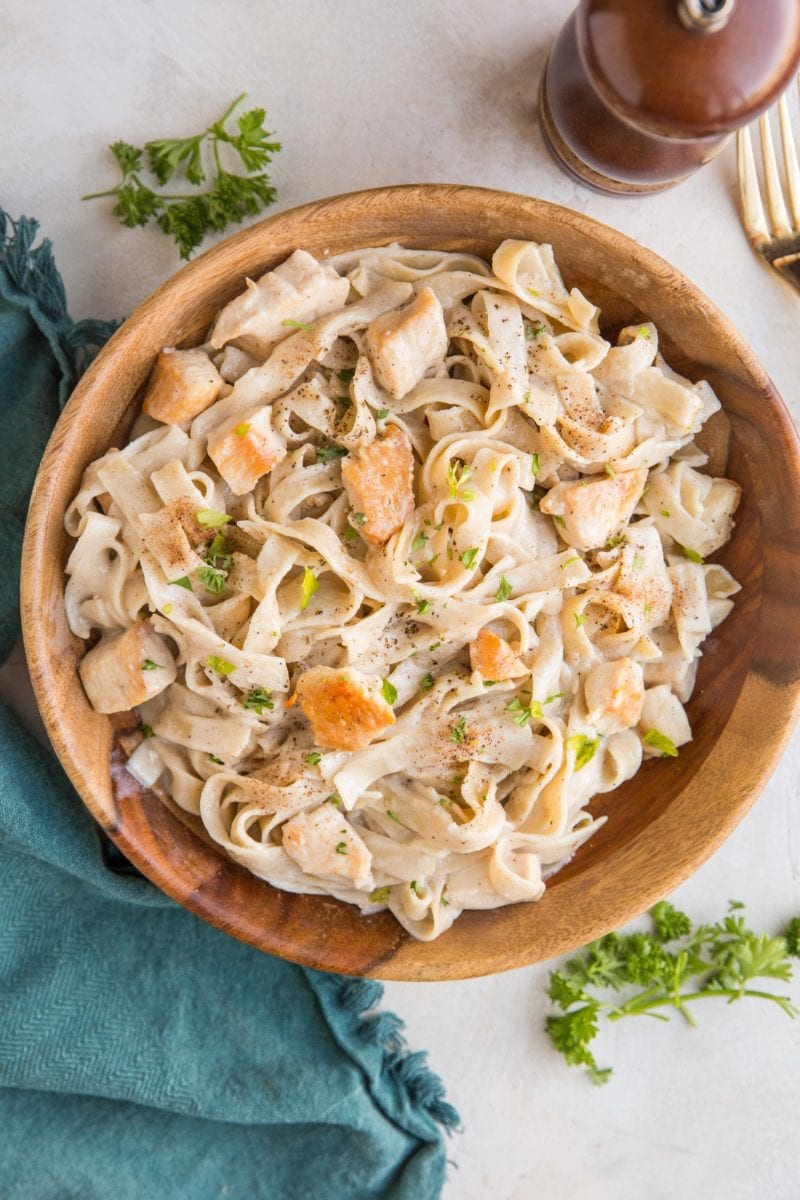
column 663, row 823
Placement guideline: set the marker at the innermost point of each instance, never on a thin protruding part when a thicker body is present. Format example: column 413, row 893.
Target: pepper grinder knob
column 636, row 96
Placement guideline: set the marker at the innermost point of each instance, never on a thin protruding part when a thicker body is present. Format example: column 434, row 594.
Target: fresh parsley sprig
column 642, row 974
column 189, row 216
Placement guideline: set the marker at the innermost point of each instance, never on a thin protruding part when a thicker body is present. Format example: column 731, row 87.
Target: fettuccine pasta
column 399, row 569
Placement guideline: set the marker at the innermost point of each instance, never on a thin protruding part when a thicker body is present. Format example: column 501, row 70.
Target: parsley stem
column 640, row 1005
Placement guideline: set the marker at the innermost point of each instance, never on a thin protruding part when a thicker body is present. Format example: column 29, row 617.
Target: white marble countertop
column 366, row 93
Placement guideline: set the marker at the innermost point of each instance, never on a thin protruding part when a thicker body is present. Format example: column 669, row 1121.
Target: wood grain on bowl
column 663, row 823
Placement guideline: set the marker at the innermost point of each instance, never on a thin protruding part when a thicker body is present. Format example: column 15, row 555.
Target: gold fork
column 778, row 242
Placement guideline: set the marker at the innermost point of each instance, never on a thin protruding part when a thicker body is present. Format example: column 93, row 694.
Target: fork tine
column 755, row 222
column 776, row 205
column 790, row 158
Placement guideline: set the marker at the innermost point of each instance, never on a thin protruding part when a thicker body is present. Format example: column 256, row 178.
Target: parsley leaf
column 458, row 474
column 220, row 665
column 212, row 518
column 389, row 691
column 458, row 733
column 149, row 665
column 188, row 216
column 585, row 749
column 326, row 454
column 313, row 759
column 505, row 589
column 308, row 586
column 659, row 741
column 380, row 895
column 470, row 557
column 259, row 699
column 426, row 683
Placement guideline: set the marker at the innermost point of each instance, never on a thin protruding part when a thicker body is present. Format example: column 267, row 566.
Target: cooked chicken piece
column 379, row 480
column 663, row 713
column 126, row 669
column 592, row 511
column 403, row 345
column 614, row 695
column 296, row 292
column 493, row 657
column 346, row 709
column 183, row 384
column 244, row 448
column 323, row 842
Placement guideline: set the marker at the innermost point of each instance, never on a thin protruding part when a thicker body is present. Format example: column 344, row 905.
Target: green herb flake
column 308, row 587
column 147, row 731
column 560, row 521
column 536, row 465
column 458, row 733
column 423, row 606
column 220, row 665
column 212, row 579
column 389, row 691
column 349, row 534
column 665, row 512
column 216, row 759
column 149, row 665
column 610, row 472
column 393, row 816
column 504, row 590
column 326, row 454
column 525, row 713
column 167, row 609
column 313, row 759
column 643, row 332
column 580, row 619
column 692, row 555
column 346, row 374
column 336, row 800
column 638, row 562
column 470, row 557
column 258, row 699
column 568, row 562
column 382, row 413
column 419, row 541
column 380, row 895
column 243, row 429
column 458, row 474
column 414, row 886
column 359, row 518
column 184, row 582
column 584, row 749
column 341, row 847
column 290, row 324
column 211, row 518
column 426, row 683
column 659, row 741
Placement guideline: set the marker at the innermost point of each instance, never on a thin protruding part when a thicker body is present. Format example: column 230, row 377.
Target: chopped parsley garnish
column 470, row 557
column 584, row 747
column 147, row 731
column 216, row 759
column 618, row 539
column 184, row 582
column 458, row 733
column 220, row 665
column 349, row 534
column 290, row 324
column 415, row 887
column 326, row 454
column 610, row 472
column 359, row 518
column 210, row 517
column 423, row 606
column 643, row 332
column 665, row 512
column 535, row 331
column 341, row 847
column 505, row 589
column 149, row 665
column 458, row 474
column 560, row 521
column 389, row 691
column 308, row 586
column 393, row 815
column 426, row 683
column 659, row 741
column 212, row 578
column 380, row 895
column 258, row 699
column 692, row 555
column 536, row 465
column 313, row 759
column 522, row 713
column 336, row 800
column 526, row 397
column 567, row 562
column 243, row 429
column 382, row 413
column 419, row 541
column 346, row 375
column 580, row 619
column 167, row 609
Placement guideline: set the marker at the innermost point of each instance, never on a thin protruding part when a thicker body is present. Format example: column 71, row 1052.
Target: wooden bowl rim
column 613, row 906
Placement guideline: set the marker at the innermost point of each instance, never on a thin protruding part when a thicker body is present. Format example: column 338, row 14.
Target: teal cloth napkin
column 143, row 1054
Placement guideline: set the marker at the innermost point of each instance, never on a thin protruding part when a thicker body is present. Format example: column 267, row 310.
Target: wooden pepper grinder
column 637, row 94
